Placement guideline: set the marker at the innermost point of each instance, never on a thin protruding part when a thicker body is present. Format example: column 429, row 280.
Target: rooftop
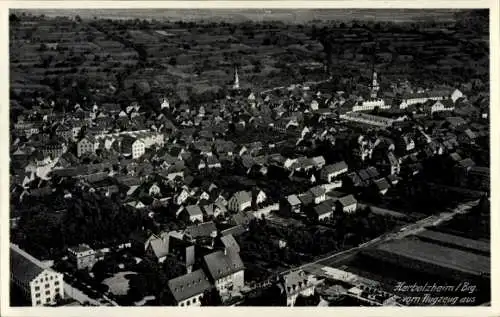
column 189, row 285
column 347, row 200
column 24, row 266
column 221, row 265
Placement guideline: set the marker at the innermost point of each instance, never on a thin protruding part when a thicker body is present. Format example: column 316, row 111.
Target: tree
column 211, row 297
column 137, row 287
column 13, row 18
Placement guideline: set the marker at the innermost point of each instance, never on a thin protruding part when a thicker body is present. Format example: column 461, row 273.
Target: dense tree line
column 88, row 218
column 341, row 232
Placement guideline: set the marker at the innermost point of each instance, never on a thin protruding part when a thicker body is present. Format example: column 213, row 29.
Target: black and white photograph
column 271, row 157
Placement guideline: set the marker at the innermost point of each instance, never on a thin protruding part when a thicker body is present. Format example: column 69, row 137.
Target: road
column 398, row 233
column 80, row 296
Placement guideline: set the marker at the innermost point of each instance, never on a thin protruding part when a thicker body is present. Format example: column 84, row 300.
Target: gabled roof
column 325, row 207
column 306, row 198
column 470, row 134
column 467, row 162
column 80, row 248
column 194, row 210
column 295, row 281
column 205, row 229
column 242, row 218
column 23, row 266
column 318, row 160
column 372, row 171
column 229, row 242
column 317, row 191
column 293, row 200
column 347, row 200
column 235, row 230
column 337, row 167
column 381, row 184
column 221, row 265
column 189, row 285
column 159, row 247
column 363, row 175
column 209, row 209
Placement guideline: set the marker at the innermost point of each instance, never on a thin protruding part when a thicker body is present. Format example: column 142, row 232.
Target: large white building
column 369, row 119
column 412, row 99
column 133, row 147
column 147, row 137
column 39, row 283
column 371, row 104
column 88, row 144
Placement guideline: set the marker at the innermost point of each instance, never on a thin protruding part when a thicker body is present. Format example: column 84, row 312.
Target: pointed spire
column 236, row 84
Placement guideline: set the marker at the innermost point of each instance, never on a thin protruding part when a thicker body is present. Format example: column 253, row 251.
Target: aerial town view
column 249, row 157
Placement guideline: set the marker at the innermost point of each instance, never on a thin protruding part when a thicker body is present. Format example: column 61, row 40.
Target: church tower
column 375, row 87
column 236, row 84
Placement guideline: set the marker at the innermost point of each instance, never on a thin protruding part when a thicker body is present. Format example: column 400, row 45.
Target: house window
column 37, row 295
column 38, row 302
column 57, row 289
column 182, row 304
column 37, row 288
column 47, row 285
column 56, row 283
column 47, row 300
column 194, row 300
column 188, row 303
column 47, row 292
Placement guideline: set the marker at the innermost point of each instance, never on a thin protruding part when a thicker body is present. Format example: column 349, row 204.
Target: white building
column 329, row 172
column 297, row 283
column 133, row 147
column 165, row 104
column 82, row 256
column 369, row 119
column 149, row 138
column 369, row 105
column 88, row 144
column 412, row 99
column 226, row 270
column 40, row 284
column 440, row 106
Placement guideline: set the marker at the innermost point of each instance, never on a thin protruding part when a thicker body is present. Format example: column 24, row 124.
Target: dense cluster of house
column 150, row 160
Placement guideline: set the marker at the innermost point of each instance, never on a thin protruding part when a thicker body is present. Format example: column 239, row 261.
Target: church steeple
column 236, row 84
column 375, row 87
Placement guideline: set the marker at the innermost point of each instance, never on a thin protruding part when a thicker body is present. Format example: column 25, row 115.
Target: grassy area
column 119, row 283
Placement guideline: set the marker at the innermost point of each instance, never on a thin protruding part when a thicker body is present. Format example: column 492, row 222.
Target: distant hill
column 256, row 15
